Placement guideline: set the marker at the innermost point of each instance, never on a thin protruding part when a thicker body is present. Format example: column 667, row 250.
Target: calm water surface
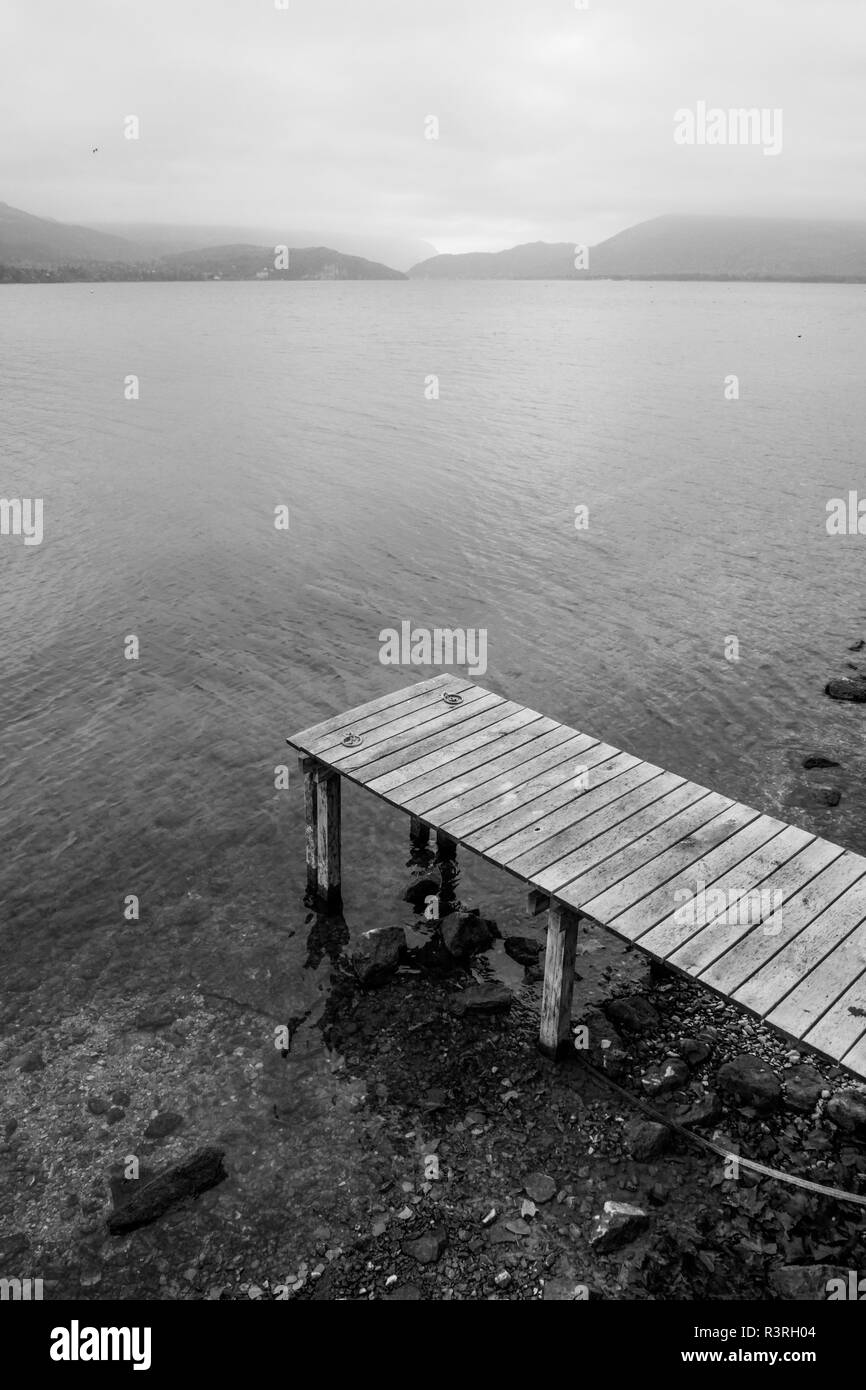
column 707, row 520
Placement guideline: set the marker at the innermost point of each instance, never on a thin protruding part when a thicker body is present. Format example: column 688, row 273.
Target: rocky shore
column 406, row 1140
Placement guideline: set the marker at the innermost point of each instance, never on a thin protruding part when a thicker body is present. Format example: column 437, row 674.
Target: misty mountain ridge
column 680, row 247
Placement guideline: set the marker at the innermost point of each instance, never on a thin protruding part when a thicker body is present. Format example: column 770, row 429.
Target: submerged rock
column 826, row 796
column 163, row 1124
column 818, row 760
column 427, row 1248
column 751, row 1081
column 539, row 1187
column 378, row 953
column 422, row 887
column 202, row 1170
column 524, row 949
column 467, row 934
column 847, row 688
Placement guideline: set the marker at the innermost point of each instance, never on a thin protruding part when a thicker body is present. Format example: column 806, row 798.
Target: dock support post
column 308, row 767
column 562, row 924
column 446, row 848
column 419, row 834
column 328, row 834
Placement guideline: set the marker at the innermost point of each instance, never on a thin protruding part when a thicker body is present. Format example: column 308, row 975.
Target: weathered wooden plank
column 385, row 723
column 660, row 843
column 404, row 735
column 765, row 935
column 649, row 911
column 809, row 1001
column 472, row 771
column 561, row 858
column 344, row 721
column 842, row 1025
column 798, row 958
column 435, row 752
column 683, row 919
column 855, row 1060
column 640, row 878
column 464, row 793
column 723, row 928
column 532, row 811
column 562, row 927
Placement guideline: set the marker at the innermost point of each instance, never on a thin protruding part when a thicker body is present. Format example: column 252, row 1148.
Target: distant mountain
column 26, row 240
column 677, row 247
column 305, row 263
column 164, row 239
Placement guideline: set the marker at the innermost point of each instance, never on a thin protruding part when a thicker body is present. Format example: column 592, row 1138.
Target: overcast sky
column 555, row 123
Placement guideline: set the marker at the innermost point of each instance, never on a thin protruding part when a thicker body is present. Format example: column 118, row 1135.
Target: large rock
column 847, row 1110
column 423, row 886
column 524, row 949
column 149, row 1200
column 468, row 933
column 694, row 1051
column 702, row 1112
column 618, row 1224
column 751, row 1081
column 803, row 1087
column 427, row 1248
column 668, row 1075
column 378, row 953
column 604, row 1047
column 808, row 1283
column 818, row 760
column 646, row 1139
column 633, row 1014
column 539, row 1187
column 482, row 999
column 826, row 796
column 847, row 688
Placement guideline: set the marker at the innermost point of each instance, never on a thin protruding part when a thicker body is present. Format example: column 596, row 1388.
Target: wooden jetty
column 763, row 913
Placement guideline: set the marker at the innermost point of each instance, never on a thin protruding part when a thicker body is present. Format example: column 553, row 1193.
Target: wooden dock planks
column 761, row 912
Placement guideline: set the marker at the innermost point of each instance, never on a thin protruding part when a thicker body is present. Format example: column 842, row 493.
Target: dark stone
column 97, row 1106
column 847, row 1111
column 163, row 1124
column 467, row 934
column 115, row 1114
column 32, row 1061
column 482, row 999
column 634, row 1014
column 618, row 1224
column 646, row 1139
column 703, row 1112
column 751, row 1082
column 427, row 1248
column 806, row 1283
column 539, row 1187
column 667, row 1075
column 202, row 1170
column 11, row 1246
column 523, row 949
column 121, row 1098
column 818, row 760
column 858, row 645
column 428, row 884
column 605, row 1049
column 826, row 796
column 404, row 1293
column 692, row 1050
column 847, row 688
column 378, row 953
column 803, row 1087
column 151, row 1020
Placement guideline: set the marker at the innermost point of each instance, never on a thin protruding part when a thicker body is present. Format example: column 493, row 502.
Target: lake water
column 156, row 777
